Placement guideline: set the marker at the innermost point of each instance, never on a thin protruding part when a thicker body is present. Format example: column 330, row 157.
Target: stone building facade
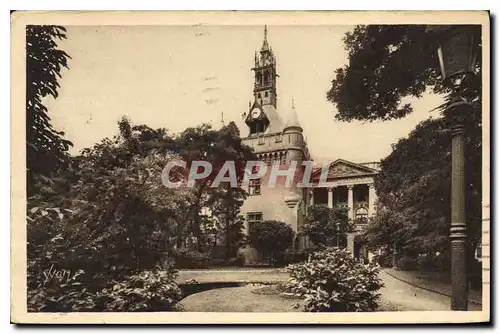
column 277, row 139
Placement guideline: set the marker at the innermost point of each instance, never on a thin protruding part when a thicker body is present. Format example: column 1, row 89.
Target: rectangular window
column 278, row 138
column 254, row 187
column 253, row 217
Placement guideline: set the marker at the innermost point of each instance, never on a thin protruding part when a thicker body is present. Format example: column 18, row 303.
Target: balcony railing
column 360, row 227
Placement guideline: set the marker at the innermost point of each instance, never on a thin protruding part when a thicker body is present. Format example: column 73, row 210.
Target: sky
column 181, row 76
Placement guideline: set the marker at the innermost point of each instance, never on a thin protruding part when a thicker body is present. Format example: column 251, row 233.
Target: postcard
column 250, row 167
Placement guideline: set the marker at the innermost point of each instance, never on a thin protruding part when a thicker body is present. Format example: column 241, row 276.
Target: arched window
column 361, row 214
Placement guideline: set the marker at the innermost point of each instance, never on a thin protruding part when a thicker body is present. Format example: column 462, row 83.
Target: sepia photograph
column 250, row 167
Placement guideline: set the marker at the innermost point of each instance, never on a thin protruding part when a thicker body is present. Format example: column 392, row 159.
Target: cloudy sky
column 180, row 76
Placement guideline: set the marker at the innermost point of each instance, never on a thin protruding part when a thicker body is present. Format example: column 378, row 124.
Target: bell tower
column 265, row 75
column 278, row 144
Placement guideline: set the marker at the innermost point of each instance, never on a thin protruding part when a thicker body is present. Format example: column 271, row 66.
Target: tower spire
column 265, row 44
column 265, row 75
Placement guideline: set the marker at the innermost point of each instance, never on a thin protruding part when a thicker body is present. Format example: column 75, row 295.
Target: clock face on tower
column 255, row 113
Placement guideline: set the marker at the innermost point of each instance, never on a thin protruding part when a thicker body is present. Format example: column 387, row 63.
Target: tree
column 414, row 183
column 110, row 212
column 113, row 223
column 46, row 148
column 217, row 147
column 225, row 203
column 270, row 237
column 386, row 229
column 321, row 228
column 388, row 63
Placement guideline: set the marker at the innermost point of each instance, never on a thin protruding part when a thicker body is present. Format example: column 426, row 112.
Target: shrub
column 323, row 224
column 148, row 291
column 384, row 260
column 433, row 262
column 191, row 259
column 426, row 262
column 270, row 238
column 60, row 295
column 407, row 263
column 239, row 260
column 332, row 281
column 109, row 223
column 292, row 256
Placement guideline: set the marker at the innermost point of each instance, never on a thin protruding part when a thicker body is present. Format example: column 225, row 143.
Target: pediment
column 342, row 168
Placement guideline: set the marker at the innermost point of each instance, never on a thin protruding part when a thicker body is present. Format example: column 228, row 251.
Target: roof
column 276, row 123
column 293, row 120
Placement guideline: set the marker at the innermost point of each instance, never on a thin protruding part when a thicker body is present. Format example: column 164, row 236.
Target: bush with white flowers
column 332, row 281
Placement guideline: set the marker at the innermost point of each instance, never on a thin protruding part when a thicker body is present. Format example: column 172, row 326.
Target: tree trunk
column 189, row 213
column 179, row 239
column 200, row 244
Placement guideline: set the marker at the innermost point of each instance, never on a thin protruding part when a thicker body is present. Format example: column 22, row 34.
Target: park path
column 395, row 295
column 406, row 297
column 432, row 281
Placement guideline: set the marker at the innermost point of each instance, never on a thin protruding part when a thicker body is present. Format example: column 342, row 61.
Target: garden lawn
column 244, row 299
column 239, row 299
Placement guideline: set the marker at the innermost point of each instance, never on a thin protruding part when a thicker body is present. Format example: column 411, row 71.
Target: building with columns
column 276, row 136
column 349, row 185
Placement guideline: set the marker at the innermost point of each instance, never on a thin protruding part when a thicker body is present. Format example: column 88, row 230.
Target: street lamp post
column 457, row 53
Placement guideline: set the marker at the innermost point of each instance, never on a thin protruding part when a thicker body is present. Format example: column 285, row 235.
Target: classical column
column 350, row 202
column 330, row 198
column 311, row 199
column 372, row 197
